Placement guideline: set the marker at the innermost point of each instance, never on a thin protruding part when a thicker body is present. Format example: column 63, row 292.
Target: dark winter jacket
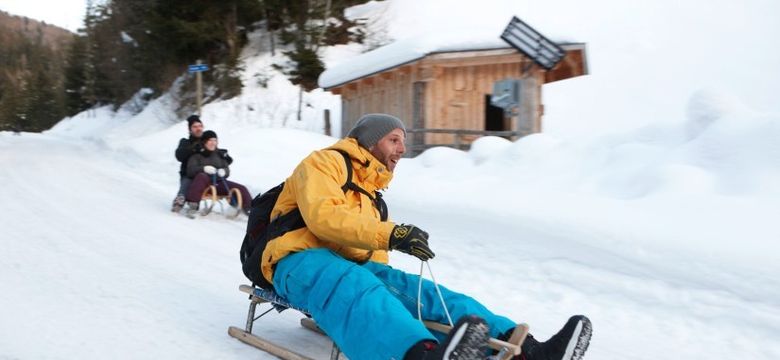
column 187, row 147
column 218, row 159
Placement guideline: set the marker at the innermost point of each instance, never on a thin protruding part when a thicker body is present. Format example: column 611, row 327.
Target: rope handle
column 438, row 292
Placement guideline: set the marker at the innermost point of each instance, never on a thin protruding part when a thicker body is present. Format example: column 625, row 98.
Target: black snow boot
column 569, row 343
column 468, row 340
column 178, row 203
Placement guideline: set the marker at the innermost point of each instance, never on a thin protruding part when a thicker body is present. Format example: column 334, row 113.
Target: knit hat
column 193, row 119
column 208, row 134
column 371, row 128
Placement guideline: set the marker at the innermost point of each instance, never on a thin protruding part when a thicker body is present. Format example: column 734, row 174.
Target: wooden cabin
column 442, row 91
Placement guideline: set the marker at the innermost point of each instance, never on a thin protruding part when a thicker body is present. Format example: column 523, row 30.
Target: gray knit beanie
column 371, row 128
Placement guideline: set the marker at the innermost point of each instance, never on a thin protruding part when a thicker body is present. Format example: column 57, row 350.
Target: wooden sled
column 210, row 198
column 506, row 349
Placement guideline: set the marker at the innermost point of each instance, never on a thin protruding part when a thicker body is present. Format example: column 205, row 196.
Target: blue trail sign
column 198, row 68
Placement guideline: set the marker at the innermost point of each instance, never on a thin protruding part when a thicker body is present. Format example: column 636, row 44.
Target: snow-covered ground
column 665, row 235
column 669, row 244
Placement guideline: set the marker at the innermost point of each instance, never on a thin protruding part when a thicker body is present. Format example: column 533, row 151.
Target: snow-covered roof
column 395, row 54
column 400, row 53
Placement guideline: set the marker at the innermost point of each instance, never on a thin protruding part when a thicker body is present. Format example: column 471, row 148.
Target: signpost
column 198, row 68
column 531, row 43
column 519, row 98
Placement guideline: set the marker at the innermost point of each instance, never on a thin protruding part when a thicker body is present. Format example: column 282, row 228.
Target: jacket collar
column 368, row 171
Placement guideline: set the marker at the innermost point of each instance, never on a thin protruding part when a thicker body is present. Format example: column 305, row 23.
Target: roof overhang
column 573, row 64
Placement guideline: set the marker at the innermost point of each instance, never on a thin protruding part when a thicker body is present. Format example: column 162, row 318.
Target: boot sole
column 473, row 347
column 580, row 340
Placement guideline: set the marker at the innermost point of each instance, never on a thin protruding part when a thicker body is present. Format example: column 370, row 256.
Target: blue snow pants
column 370, row 310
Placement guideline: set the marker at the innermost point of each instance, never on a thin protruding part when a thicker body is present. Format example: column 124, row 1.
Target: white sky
column 63, row 13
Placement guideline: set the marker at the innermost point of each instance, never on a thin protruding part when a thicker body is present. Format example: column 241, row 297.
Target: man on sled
column 334, row 263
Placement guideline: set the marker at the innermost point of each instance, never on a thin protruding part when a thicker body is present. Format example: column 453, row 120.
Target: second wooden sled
column 506, row 349
column 211, row 197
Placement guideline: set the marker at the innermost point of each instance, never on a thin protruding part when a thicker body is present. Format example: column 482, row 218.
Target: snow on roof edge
column 388, row 57
column 329, row 86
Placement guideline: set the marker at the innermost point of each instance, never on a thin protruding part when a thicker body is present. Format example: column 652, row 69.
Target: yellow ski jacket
column 347, row 223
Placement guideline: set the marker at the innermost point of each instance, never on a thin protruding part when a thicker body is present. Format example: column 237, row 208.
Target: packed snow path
column 93, row 264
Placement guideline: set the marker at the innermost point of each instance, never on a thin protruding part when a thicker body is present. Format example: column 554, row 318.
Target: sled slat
column 262, row 296
column 247, row 289
column 517, row 338
column 265, row 345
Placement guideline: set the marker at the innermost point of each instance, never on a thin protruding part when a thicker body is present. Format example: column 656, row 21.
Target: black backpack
column 260, row 229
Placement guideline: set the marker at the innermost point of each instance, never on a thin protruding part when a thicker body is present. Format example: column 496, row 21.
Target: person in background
column 211, row 166
column 187, row 147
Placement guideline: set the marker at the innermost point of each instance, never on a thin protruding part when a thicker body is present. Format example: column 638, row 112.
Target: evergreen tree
column 31, row 92
column 127, row 45
column 76, row 77
column 314, row 23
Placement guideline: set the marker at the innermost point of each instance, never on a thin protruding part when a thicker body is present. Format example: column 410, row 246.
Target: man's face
column 196, row 130
column 211, row 144
column 390, row 148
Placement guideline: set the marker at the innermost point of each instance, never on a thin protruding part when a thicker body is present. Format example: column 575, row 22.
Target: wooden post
column 300, row 101
column 199, row 88
column 345, row 111
column 529, row 105
column 327, row 122
column 418, row 115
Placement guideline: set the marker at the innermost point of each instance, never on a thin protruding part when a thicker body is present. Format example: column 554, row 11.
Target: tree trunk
column 318, row 41
column 231, row 36
column 268, row 29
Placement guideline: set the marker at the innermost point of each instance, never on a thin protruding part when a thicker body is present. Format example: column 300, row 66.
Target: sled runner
column 506, row 349
column 210, row 198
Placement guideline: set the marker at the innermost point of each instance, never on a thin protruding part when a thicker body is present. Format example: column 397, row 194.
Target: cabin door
column 494, row 117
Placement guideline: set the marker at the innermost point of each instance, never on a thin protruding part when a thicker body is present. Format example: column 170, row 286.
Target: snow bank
column 705, row 187
column 135, row 118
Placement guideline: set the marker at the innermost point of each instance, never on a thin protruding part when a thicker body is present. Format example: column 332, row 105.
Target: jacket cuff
column 383, row 235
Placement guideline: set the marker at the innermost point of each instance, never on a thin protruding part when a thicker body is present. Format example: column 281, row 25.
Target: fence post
column 199, row 89
column 327, row 122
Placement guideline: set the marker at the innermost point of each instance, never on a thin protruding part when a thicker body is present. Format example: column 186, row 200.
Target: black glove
column 197, row 148
column 409, row 239
column 224, row 154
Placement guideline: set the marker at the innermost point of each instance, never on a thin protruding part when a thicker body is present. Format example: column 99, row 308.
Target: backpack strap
column 348, row 162
column 376, row 198
column 381, row 205
column 349, row 185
